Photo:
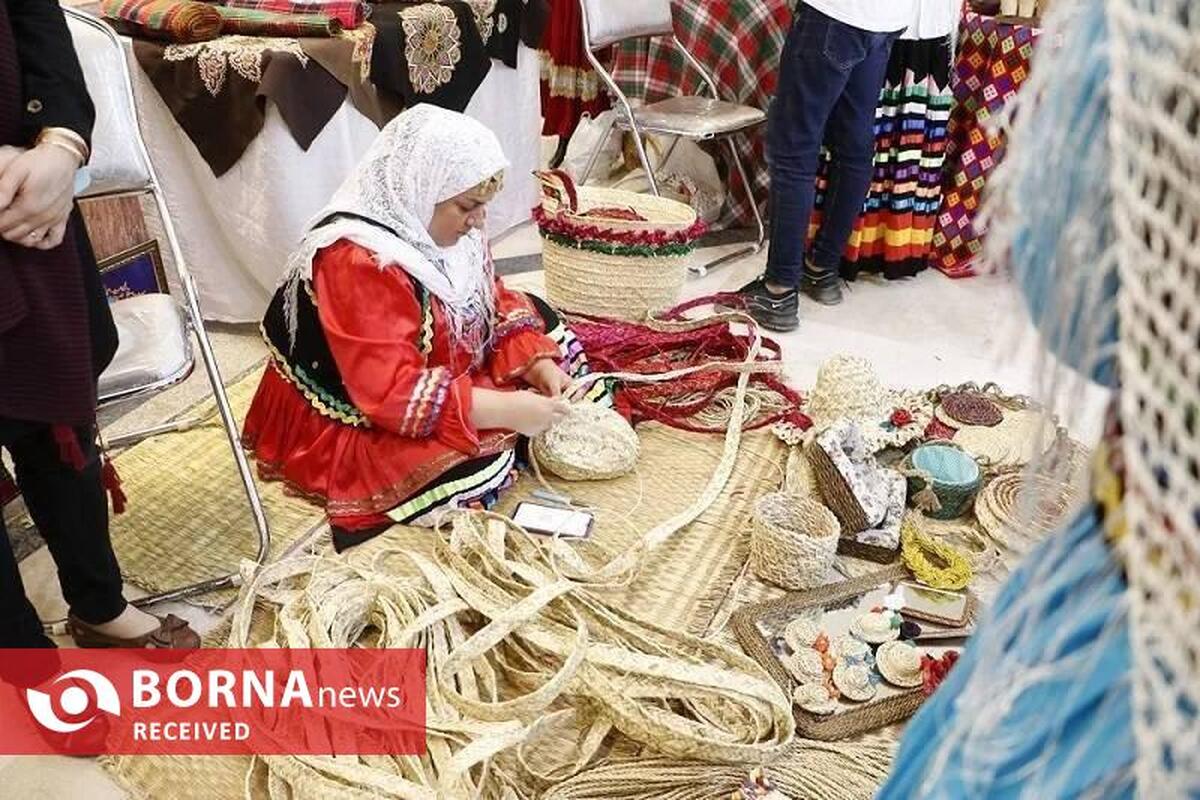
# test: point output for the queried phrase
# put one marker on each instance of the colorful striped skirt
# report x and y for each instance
(894, 234)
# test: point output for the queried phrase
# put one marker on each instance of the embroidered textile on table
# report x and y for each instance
(992, 63)
(440, 52)
(894, 234)
(740, 45)
(217, 90)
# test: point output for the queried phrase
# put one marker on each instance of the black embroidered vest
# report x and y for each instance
(307, 363)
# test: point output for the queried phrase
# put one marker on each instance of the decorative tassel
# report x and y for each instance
(927, 500)
(68, 446)
(112, 484)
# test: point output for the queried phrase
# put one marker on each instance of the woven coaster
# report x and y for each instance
(970, 408)
(1020, 437)
(1025, 506)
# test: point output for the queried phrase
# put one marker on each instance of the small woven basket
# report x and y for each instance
(793, 542)
(950, 472)
(613, 253)
(835, 491)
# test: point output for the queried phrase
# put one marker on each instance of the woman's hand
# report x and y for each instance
(37, 193)
(547, 377)
(524, 412)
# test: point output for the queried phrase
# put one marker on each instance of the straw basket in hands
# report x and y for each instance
(794, 541)
(613, 253)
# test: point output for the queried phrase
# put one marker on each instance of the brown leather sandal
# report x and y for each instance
(172, 633)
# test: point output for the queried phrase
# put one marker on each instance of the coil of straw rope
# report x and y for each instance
(806, 770)
(548, 636)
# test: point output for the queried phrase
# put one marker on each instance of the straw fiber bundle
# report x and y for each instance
(517, 641)
(806, 770)
(548, 649)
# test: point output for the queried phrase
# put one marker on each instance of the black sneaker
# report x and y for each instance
(822, 285)
(775, 312)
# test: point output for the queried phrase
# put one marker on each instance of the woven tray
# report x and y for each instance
(747, 623)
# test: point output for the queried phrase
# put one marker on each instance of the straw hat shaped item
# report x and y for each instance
(814, 698)
(876, 627)
(854, 682)
(900, 664)
(848, 388)
(801, 633)
(846, 646)
(806, 666)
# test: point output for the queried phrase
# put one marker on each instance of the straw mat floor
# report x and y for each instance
(187, 519)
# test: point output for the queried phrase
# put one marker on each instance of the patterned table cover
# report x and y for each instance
(740, 42)
(435, 51)
(992, 64)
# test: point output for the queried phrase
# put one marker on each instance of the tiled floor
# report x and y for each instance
(919, 333)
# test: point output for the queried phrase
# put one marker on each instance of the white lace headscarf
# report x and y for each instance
(425, 156)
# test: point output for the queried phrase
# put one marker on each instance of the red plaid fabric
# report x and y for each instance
(252, 22)
(350, 13)
(740, 43)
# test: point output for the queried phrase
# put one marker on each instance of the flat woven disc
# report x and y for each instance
(970, 408)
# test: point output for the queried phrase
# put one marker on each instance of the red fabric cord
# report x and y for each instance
(618, 346)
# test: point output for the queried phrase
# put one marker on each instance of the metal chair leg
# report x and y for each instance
(132, 438)
(599, 148)
(225, 411)
(702, 269)
(192, 309)
(640, 144)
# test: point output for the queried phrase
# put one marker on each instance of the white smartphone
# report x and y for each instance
(567, 523)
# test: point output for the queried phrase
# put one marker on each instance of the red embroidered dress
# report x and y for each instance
(369, 409)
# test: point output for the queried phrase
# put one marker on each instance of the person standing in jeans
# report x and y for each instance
(831, 72)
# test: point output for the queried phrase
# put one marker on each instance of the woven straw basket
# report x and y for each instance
(794, 541)
(954, 475)
(612, 267)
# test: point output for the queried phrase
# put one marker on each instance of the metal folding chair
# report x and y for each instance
(155, 350)
(609, 22)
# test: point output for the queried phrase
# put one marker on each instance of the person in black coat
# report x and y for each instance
(56, 336)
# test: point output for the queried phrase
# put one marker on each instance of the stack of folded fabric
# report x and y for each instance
(181, 21)
(188, 21)
(350, 14)
(256, 22)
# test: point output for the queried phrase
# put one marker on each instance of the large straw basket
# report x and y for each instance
(613, 253)
(794, 541)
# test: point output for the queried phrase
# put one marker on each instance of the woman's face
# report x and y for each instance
(454, 219)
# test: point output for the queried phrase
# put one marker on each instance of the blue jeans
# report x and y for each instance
(830, 76)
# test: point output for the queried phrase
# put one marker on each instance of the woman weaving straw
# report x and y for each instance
(401, 366)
